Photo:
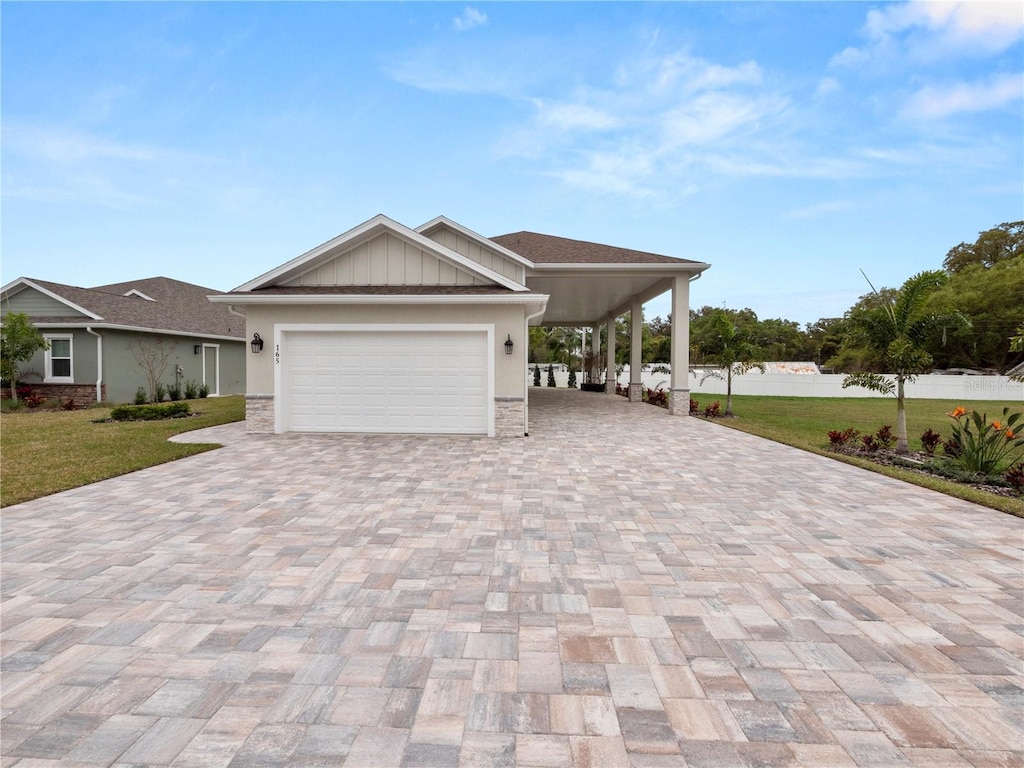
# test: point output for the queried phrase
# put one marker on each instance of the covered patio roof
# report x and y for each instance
(588, 282)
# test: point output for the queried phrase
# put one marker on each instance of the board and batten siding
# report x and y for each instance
(478, 253)
(31, 302)
(386, 260)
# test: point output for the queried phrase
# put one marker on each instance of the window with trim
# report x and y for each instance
(58, 359)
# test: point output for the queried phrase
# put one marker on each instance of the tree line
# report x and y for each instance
(981, 282)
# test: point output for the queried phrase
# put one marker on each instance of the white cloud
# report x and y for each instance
(930, 31)
(935, 102)
(470, 18)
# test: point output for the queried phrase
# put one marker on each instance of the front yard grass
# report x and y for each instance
(804, 422)
(46, 452)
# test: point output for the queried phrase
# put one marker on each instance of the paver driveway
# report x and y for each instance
(621, 588)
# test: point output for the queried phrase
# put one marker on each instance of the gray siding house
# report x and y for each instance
(97, 335)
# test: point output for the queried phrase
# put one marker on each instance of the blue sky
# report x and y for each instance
(790, 145)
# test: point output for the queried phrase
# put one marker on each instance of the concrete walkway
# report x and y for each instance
(622, 588)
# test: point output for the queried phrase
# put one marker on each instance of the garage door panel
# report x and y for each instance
(383, 381)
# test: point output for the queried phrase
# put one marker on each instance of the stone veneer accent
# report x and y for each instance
(636, 392)
(509, 417)
(259, 414)
(80, 393)
(679, 402)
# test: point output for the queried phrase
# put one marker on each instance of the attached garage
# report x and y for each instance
(423, 379)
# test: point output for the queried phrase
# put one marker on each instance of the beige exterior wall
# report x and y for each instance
(386, 260)
(479, 253)
(509, 381)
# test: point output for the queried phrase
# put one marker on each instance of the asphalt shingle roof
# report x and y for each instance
(549, 249)
(176, 306)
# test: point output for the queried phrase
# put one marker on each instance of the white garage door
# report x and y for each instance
(384, 381)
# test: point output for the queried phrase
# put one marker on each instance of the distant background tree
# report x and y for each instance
(896, 329)
(732, 351)
(993, 246)
(19, 341)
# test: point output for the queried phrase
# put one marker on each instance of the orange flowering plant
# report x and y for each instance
(986, 446)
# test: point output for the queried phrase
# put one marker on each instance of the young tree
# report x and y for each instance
(897, 330)
(152, 356)
(729, 348)
(19, 340)
(536, 375)
(551, 376)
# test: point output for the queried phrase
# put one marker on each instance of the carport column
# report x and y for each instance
(679, 396)
(595, 355)
(610, 379)
(636, 350)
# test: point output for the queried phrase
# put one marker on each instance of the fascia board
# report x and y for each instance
(471, 235)
(139, 329)
(361, 298)
(572, 267)
(26, 283)
(371, 228)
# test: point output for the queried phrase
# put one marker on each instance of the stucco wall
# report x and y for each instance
(508, 369)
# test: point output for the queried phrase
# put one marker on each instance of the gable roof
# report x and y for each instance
(157, 304)
(549, 249)
(370, 229)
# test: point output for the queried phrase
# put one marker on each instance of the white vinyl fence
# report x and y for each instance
(929, 387)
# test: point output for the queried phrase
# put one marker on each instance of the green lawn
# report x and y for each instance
(46, 452)
(804, 422)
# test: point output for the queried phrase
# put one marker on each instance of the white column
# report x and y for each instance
(679, 397)
(595, 354)
(610, 378)
(636, 323)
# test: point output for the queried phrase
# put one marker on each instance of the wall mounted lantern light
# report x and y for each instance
(197, 349)
(256, 343)
(508, 345)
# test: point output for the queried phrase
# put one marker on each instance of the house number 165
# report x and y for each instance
(277, 354)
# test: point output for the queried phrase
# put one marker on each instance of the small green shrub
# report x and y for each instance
(141, 398)
(150, 412)
(161, 393)
(174, 392)
(551, 376)
(191, 390)
(572, 378)
(204, 390)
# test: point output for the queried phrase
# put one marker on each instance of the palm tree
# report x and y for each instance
(896, 329)
(733, 352)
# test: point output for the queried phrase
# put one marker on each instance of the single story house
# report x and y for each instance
(100, 338)
(391, 329)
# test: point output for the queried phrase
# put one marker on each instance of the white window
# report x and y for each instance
(58, 360)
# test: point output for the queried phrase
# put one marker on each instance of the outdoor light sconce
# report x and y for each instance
(508, 345)
(197, 349)
(256, 344)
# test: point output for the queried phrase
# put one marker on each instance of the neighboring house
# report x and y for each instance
(97, 334)
(391, 329)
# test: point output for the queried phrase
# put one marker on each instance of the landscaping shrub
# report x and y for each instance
(551, 376)
(657, 397)
(69, 404)
(870, 443)
(713, 411)
(536, 375)
(839, 439)
(174, 392)
(34, 401)
(1014, 476)
(161, 393)
(191, 390)
(986, 446)
(204, 390)
(141, 398)
(694, 406)
(930, 441)
(885, 437)
(149, 412)
(572, 378)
